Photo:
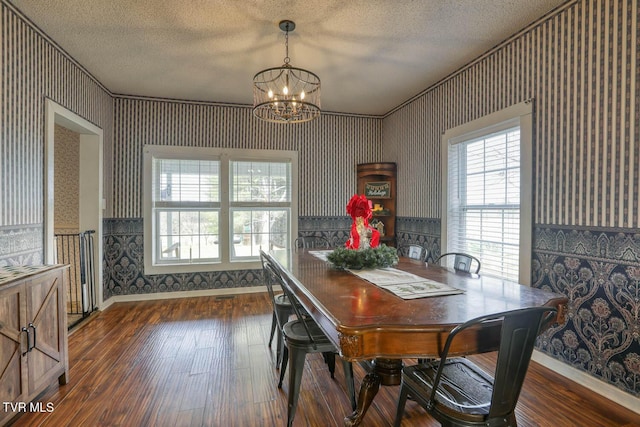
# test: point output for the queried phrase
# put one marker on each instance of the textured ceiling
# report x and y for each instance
(371, 55)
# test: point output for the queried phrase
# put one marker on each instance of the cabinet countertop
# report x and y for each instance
(12, 273)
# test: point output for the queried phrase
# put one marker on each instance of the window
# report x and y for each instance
(488, 198)
(212, 209)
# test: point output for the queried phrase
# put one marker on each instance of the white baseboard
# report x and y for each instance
(182, 294)
(605, 390)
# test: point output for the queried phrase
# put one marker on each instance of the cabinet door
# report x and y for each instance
(46, 312)
(13, 342)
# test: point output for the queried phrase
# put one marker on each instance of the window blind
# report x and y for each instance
(484, 200)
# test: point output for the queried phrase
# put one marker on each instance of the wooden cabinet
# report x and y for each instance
(377, 181)
(33, 332)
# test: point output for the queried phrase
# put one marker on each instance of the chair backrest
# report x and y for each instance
(413, 251)
(311, 242)
(273, 270)
(518, 332)
(461, 261)
(269, 276)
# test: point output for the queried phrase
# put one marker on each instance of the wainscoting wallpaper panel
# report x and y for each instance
(33, 68)
(599, 271)
(123, 269)
(580, 65)
(423, 232)
(124, 265)
(335, 229)
(329, 148)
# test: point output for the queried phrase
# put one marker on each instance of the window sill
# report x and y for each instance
(201, 267)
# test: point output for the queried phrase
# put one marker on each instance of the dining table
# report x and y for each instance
(380, 323)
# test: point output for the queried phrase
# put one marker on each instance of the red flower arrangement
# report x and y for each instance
(362, 235)
(359, 206)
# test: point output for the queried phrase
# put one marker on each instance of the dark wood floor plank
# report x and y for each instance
(205, 362)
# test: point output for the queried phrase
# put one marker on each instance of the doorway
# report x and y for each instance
(86, 166)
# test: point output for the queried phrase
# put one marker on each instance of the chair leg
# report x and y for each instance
(348, 376)
(401, 403)
(283, 368)
(273, 328)
(297, 358)
(282, 316)
(330, 359)
(279, 349)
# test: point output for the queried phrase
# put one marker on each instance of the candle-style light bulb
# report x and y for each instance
(301, 95)
(270, 93)
(285, 90)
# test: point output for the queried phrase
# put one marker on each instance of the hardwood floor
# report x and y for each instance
(205, 362)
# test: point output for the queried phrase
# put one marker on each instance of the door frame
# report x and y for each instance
(92, 202)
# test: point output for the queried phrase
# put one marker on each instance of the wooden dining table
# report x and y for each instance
(371, 325)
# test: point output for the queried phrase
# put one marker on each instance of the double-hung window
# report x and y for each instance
(212, 209)
(487, 206)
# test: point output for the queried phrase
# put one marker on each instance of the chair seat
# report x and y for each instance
(296, 334)
(282, 299)
(462, 381)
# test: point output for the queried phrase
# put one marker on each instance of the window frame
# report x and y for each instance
(225, 156)
(520, 114)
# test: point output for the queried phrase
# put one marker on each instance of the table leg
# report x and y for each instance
(385, 372)
(368, 389)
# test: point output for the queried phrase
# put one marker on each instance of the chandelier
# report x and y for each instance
(286, 94)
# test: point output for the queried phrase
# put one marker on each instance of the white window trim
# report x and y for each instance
(521, 114)
(225, 155)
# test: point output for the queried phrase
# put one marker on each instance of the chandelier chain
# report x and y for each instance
(286, 46)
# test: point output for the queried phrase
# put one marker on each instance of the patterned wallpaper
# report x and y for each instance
(423, 232)
(66, 180)
(34, 68)
(329, 147)
(599, 271)
(580, 67)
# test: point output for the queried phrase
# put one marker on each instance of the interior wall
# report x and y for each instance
(36, 69)
(580, 66)
(329, 147)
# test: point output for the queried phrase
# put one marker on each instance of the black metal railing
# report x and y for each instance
(77, 250)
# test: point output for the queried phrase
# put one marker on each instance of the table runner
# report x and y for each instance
(405, 285)
(401, 283)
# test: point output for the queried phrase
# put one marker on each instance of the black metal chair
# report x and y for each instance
(282, 311)
(311, 242)
(456, 392)
(413, 251)
(461, 261)
(303, 336)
